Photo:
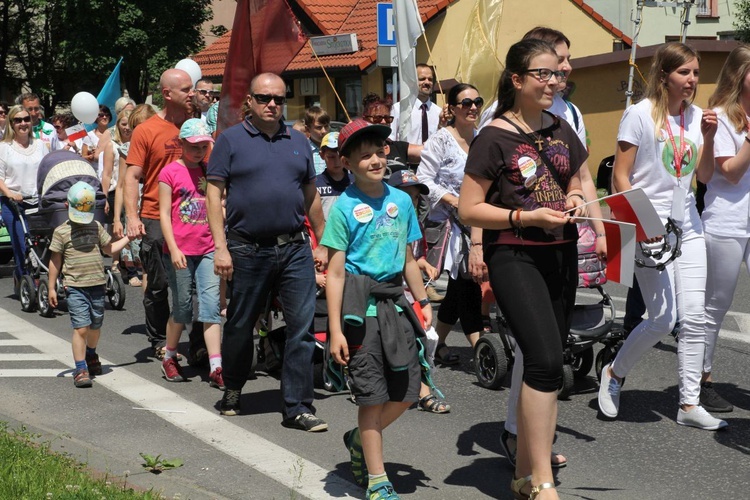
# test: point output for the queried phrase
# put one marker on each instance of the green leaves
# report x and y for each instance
(156, 465)
(60, 48)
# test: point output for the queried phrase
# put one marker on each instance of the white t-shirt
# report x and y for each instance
(653, 170)
(727, 211)
(19, 166)
(559, 108)
(415, 134)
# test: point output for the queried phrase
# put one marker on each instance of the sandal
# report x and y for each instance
(516, 485)
(538, 489)
(450, 358)
(508, 443)
(359, 466)
(432, 404)
(135, 281)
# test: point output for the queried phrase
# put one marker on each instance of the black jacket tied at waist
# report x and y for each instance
(397, 344)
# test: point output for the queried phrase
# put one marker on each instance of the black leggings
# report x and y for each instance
(535, 287)
(463, 300)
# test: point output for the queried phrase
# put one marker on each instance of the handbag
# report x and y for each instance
(464, 249)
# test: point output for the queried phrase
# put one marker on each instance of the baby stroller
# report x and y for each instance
(590, 323)
(272, 335)
(58, 171)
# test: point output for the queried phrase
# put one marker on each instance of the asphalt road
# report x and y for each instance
(642, 455)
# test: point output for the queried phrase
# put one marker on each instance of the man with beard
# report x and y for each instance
(425, 116)
(155, 144)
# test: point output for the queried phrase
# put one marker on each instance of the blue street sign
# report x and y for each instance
(386, 27)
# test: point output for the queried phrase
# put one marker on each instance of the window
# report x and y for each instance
(350, 91)
(707, 8)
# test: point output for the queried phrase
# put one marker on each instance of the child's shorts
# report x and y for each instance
(372, 381)
(86, 306)
(199, 270)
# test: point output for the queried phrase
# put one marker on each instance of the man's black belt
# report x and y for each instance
(269, 241)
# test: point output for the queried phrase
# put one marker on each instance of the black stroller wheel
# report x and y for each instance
(490, 362)
(115, 290)
(605, 357)
(45, 309)
(568, 382)
(27, 293)
(582, 363)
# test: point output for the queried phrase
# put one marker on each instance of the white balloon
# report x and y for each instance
(191, 68)
(84, 107)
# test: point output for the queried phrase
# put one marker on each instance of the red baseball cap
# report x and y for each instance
(357, 127)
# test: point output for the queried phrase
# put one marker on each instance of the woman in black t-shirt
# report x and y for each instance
(522, 176)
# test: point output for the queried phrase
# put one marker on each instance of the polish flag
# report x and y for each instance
(634, 207)
(621, 238)
(76, 132)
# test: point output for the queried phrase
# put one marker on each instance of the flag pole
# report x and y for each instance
(329, 80)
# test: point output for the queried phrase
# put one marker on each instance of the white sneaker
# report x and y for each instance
(609, 394)
(700, 418)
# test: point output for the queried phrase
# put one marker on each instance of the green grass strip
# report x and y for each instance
(30, 470)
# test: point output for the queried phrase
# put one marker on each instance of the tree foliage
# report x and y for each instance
(742, 20)
(63, 47)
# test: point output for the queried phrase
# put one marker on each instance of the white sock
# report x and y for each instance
(215, 362)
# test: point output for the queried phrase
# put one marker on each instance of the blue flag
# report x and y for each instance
(111, 91)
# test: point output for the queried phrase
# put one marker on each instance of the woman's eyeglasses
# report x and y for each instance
(25, 119)
(546, 75)
(466, 102)
(266, 98)
(378, 118)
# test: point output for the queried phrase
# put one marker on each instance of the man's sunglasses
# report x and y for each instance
(204, 92)
(378, 118)
(546, 75)
(25, 119)
(466, 102)
(266, 98)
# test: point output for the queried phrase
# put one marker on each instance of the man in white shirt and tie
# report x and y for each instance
(425, 115)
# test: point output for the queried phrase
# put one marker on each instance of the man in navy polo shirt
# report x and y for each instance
(269, 176)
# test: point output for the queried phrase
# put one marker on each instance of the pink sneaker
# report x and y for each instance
(216, 380)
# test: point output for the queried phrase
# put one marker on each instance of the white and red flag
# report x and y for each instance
(76, 132)
(620, 251)
(634, 207)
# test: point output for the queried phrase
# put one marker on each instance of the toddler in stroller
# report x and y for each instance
(58, 171)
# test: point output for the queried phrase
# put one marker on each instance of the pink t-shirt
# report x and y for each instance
(189, 215)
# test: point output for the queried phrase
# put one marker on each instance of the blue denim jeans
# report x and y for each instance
(257, 270)
(17, 241)
(199, 270)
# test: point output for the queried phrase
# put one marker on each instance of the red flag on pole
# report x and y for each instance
(265, 38)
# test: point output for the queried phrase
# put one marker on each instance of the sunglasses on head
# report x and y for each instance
(266, 98)
(25, 119)
(466, 102)
(378, 118)
(546, 75)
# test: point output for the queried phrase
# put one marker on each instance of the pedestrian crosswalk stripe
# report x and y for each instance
(11, 342)
(24, 356)
(34, 372)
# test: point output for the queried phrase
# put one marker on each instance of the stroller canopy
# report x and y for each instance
(58, 171)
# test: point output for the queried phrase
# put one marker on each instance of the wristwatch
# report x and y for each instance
(424, 302)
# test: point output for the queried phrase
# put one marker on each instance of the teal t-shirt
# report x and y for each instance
(373, 232)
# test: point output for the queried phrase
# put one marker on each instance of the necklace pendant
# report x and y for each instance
(539, 144)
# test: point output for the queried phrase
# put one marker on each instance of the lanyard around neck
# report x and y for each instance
(678, 157)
